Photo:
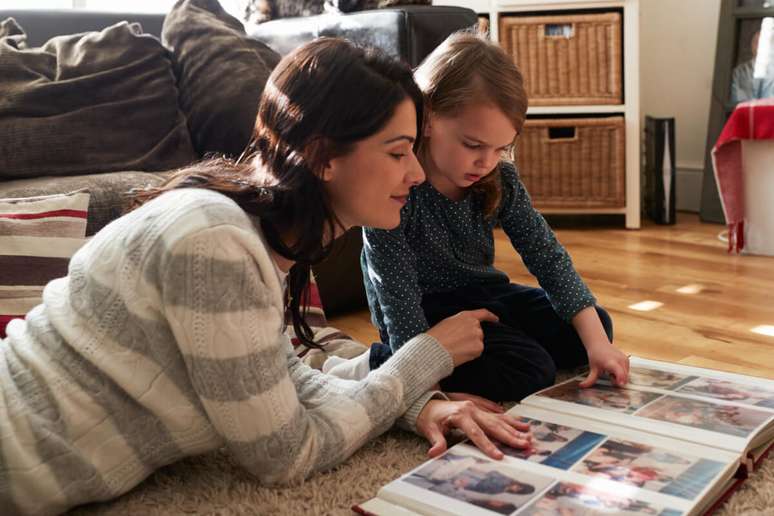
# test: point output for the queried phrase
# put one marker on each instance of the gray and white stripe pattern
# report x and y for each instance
(165, 340)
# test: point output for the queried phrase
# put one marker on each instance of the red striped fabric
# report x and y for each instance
(315, 316)
(81, 214)
(39, 234)
(333, 341)
(4, 320)
(314, 296)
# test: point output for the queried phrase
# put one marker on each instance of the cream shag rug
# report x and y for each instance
(214, 484)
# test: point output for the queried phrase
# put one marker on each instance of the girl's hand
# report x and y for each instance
(606, 358)
(461, 334)
(603, 356)
(438, 417)
(482, 403)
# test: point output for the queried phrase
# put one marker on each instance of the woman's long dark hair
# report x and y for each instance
(318, 103)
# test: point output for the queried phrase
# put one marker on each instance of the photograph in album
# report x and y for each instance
(575, 499)
(724, 419)
(645, 377)
(478, 482)
(745, 394)
(601, 396)
(651, 468)
(554, 445)
(730, 391)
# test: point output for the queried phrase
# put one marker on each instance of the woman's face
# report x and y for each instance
(464, 148)
(370, 185)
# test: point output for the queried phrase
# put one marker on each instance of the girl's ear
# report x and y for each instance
(428, 126)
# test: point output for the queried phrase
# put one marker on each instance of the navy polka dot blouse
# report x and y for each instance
(442, 245)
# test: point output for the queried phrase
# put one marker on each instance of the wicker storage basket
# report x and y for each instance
(573, 163)
(567, 59)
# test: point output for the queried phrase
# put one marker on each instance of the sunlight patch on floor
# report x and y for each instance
(691, 289)
(646, 306)
(764, 329)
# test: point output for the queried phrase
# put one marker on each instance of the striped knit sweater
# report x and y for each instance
(166, 340)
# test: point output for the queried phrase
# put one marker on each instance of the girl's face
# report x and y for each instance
(464, 148)
(370, 185)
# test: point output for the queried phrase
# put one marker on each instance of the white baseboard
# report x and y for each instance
(688, 188)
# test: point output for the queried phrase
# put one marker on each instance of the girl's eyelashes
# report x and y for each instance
(469, 145)
(398, 155)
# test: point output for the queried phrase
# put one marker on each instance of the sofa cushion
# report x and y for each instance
(110, 192)
(221, 74)
(408, 33)
(91, 102)
(38, 235)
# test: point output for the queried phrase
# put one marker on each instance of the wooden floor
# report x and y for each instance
(711, 302)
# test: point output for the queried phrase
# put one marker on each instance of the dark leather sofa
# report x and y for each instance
(409, 33)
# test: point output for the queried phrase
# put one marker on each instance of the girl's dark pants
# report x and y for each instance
(522, 351)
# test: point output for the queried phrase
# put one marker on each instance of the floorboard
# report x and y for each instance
(710, 302)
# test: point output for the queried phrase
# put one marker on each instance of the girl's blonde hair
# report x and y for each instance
(468, 68)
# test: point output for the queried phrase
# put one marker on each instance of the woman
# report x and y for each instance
(166, 338)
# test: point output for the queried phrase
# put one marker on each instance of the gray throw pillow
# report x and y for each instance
(92, 102)
(221, 73)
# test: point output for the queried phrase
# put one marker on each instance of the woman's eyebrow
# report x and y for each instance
(406, 137)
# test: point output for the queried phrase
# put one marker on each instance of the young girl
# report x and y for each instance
(440, 260)
(166, 339)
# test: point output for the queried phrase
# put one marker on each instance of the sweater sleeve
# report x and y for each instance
(392, 287)
(280, 419)
(541, 252)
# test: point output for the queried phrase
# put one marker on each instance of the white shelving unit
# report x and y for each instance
(630, 109)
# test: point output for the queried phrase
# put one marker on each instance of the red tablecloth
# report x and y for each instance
(753, 120)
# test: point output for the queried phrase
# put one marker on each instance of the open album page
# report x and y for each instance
(573, 467)
(720, 410)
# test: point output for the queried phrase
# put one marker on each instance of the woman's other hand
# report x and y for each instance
(438, 417)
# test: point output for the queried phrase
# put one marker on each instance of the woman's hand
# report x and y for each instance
(461, 334)
(482, 403)
(439, 417)
(606, 358)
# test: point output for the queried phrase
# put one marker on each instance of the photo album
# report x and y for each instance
(676, 440)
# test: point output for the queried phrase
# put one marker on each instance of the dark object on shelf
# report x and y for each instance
(660, 169)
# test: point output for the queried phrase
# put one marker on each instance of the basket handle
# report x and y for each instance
(563, 134)
(559, 30)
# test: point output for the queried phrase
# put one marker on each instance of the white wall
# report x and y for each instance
(235, 7)
(677, 59)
